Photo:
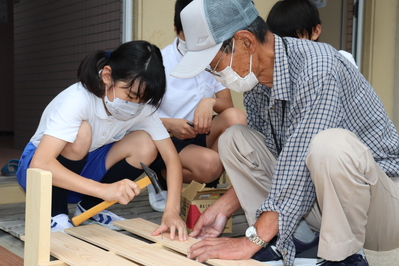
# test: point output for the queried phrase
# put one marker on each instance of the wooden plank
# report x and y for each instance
(8, 258)
(53, 263)
(37, 217)
(11, 193)
(144, 229)
(129, 247)
(76, 252)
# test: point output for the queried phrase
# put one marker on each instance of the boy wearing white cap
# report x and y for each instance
(318, 146)
(195, 111)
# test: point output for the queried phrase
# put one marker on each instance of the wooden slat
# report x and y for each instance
(144, 229)
(53, 263)
(11, 193)
(73, 251)
(129, 247)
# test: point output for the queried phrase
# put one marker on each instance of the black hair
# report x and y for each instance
(258, 27)
(293, 18)
(132, 61)
(179, 6)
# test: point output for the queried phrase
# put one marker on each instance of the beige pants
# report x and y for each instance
(359, 203)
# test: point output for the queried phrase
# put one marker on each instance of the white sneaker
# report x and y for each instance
(157, 201)
(60, 222)
(104, 218)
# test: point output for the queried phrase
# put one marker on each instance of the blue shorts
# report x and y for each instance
(94, 168)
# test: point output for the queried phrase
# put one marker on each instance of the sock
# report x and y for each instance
(303, 232)
(117, 172)
(361, 252)
(213, 184)
(59, 202)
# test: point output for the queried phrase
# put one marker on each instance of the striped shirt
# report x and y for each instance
(314, 88)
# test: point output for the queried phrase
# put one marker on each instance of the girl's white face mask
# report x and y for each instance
(122, 110)
(230, 79)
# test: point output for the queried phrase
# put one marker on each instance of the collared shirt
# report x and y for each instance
(321, 90)
(64, 115)
(183, 95)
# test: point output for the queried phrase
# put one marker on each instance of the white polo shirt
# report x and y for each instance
(348, 56)
(65, 113)
(183, 95)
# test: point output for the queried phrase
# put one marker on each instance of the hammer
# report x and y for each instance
(145, 181)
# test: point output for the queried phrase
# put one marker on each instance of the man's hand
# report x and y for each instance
(223, 248)
(210, 224)
(213, 220)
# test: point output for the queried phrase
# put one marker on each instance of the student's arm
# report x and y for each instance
(171, 217)
(46, 158)
(223, 101)
(207, 106)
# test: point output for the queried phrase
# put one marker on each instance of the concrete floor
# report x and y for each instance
(385, 258)
(12, 243)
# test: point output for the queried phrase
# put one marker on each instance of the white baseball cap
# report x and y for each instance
(206, 25)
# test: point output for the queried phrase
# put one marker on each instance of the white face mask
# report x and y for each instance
(182, 46)
(230, 79)
(122, 110)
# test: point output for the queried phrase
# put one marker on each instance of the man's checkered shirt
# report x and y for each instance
(321, 90)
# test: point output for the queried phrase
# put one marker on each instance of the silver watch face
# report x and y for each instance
(250, 232)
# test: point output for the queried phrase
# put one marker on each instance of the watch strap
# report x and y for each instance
(257, 240)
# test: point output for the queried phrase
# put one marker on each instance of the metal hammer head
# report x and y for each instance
(153, 177)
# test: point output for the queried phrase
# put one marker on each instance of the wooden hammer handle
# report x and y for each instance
(77, 220)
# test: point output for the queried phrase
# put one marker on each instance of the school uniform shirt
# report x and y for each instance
(64, 114)
(314, 88)
(183, 95)
(348, 56)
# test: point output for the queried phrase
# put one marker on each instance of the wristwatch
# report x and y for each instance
(253, 237)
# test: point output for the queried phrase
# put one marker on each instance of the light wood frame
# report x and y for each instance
(116, 248)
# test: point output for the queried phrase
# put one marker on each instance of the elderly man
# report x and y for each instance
(319, 145)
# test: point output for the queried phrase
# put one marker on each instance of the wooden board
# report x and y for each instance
(53, 263)
(10, 190)
(144, 229)
(73, 251)
(99, 246)
(11, 193)
(37, 216)
(129, 247)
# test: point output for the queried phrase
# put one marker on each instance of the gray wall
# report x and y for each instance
(6, 67)
(50, 40)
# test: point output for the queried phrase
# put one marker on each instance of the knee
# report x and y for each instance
(234, 116)
(212, 166)
(145, 145)
(329, 147)
(230, 134)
